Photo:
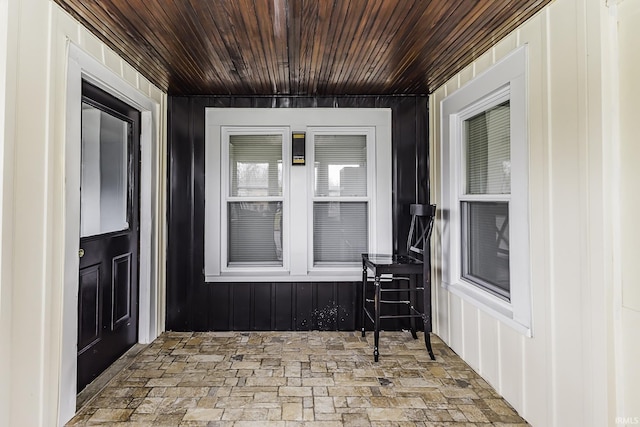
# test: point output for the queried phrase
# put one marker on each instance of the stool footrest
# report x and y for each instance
(401, 290)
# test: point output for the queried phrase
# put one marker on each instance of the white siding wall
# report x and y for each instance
(33, 180)
(5, 276)
(563, 375)
(627, 268)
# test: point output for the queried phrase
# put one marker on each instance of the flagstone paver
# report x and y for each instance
(294, 379)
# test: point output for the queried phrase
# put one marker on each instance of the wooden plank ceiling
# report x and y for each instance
(300, 47)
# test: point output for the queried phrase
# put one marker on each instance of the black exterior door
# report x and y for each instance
(109, 218)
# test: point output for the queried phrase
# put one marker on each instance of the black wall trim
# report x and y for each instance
(192, 304)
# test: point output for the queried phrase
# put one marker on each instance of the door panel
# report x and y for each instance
(121, 290)
(109, 218)
(90, 310)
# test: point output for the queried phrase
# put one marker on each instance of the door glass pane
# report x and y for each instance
(488, 157)
(340, 232)
(486, 245)
(255, 165)
(104, 179)
(255, 233)
(340, 165)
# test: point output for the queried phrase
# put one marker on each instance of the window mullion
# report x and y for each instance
(484, 197)
(254, 199)
(341, 199)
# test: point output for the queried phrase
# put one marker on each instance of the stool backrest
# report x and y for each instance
(422, 217)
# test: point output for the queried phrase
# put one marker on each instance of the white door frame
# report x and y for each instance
(81, 65)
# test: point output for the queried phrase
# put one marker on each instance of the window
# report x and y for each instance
(484, 199)
(105, 173)
(340, 197)
(485, 192)
(254, 197)
(269, 220)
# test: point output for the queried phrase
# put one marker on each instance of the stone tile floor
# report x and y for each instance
(295, 379)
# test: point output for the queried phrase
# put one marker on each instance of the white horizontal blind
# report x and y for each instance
(341, 232)
(341, 203)
(488, 151)
(255, 165)
(254, 202)
(340, 165)
(254, 233)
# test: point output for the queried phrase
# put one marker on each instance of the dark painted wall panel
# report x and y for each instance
(325, 311)
(199, 311)
(348, 302)
(193, 304)
(179, 281)
(283, 306)
(240, 306)
(261, 299)
(219, 306)
(303, 306)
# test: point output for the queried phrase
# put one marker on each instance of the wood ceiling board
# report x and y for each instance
(300, 47)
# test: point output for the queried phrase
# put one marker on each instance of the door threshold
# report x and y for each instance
(101, 381)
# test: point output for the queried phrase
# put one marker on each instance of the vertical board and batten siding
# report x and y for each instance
(5, 214)
(628, 230)
(559, 376)
(193, 304)
(33, 205)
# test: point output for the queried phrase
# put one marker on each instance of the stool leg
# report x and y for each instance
(426, 317)
(376, 323)
(412, 300)
(427, 341)
(364, 297)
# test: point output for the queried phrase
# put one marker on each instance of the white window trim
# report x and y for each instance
(506, 76)
(370, 198)
(296, 119)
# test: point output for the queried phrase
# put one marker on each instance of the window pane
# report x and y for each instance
(486, 243)
(255, 233)
(340, 165)
(255, 165)
(488, 157)
(104, 178)
(340, 232)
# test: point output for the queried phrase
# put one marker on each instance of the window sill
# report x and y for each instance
(492, 305)
(325, 276)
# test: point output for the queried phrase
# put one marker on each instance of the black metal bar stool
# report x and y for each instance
(388, 272)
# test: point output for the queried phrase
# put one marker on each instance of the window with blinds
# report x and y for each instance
(254, 200)
(485, 199)
(270, 219)
(340, 199)
(484, 148)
